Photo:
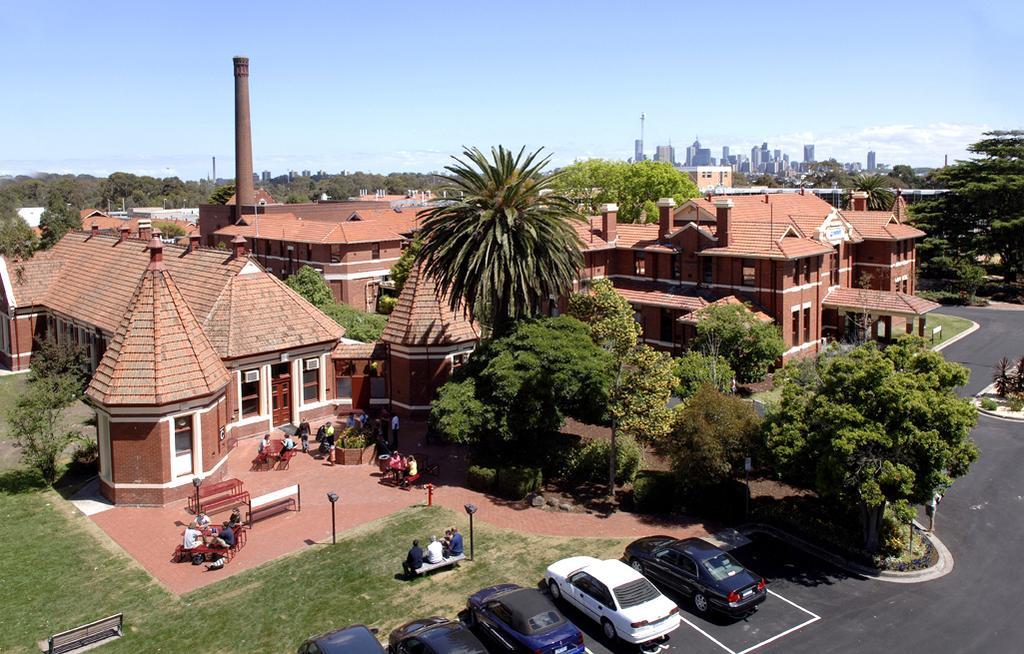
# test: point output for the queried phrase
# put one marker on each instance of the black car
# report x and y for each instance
(434, 636)
(697, 569)
(356, 639)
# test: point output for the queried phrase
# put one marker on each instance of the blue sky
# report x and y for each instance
(379, 86)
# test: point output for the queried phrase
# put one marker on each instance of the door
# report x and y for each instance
(584, 595)
(280, 394)
(182, 464)
(688, 574)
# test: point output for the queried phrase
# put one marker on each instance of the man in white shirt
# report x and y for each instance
(394, 432)
(435, 552)
(193, 538)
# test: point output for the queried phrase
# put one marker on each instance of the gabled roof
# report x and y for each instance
(371, 227)
(728, 300)
(659, 294)
(345, 350)
(422, 317)
(257, 313)
(881, 226)
(776, 240)
(862, 299)
(158, 354)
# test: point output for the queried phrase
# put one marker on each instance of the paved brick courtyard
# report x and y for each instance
(151, 534)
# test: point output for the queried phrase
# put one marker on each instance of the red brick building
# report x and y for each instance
(191, 348)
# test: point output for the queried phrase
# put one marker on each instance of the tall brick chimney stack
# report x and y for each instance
(665, 206)
(860, 201)
(238, 246)
(245, 194)
(609, 222)
(723, 215)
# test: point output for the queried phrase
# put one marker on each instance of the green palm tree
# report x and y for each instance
(507, 243)
(880, 198)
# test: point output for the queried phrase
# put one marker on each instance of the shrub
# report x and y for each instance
(386, 304)
(694, 369)
(480, 478)
(989, 404)
(1016, 404)
(654, 492)
(515, 482)
(588, 462)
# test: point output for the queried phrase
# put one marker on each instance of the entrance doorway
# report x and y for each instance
(280, 393)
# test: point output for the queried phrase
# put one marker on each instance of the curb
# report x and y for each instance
(964, 334)
(988, 390)
(942, 568)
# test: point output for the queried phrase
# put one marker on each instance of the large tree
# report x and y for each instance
(983, 214)
(592, 182)
(881, 429)
(749, 344)
(634, 187)
(17, 240)
(506, 243)
(642, 378)
(57, 220)
(516, 390)
(359, 325)
(877, 187)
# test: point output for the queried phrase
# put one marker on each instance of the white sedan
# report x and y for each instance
(616, 596)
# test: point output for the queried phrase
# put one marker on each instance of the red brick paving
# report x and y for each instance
(151, 534)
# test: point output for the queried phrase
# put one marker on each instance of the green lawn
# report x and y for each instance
(951, 326)
(58, 574)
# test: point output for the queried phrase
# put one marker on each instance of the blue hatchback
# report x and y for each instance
(523, 619)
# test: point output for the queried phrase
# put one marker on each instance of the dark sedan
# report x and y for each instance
(699, 570)
(523, 620)
(356, 639)
(434, 636)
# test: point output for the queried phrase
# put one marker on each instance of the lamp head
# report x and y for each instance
(470, 508)
(333, 497)
(196, 481)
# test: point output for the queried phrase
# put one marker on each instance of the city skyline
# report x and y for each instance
(320, 102)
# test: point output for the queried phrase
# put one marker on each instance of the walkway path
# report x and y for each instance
(150, 534)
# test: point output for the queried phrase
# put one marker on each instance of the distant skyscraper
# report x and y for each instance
(777, 155)
(871, 160)
(638, 150)
(305, 173)
(265, 176)
(725, 153)
(702, 157)
(755, 158)
(808, 153)
(665, 153)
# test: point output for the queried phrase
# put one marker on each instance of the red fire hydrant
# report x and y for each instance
(430, 494)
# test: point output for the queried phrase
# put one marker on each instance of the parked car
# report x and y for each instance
(614, 595)
(434, 636)
(523, 619)
(357, 639)
(700, 570)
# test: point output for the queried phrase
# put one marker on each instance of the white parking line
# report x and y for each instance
(814, 618)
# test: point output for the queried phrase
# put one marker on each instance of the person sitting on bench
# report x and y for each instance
(435, 551)
(192, 538)
(225, 537)
(395, 465)
(264, 444)
(287, 446)
(413, 560)
(236, 517)
(411, 470)
(455, 547)
(202, 521)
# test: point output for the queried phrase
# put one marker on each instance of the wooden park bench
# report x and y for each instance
(86, 636)
(448, 562)
(211, 492)
(276, 502)
(227, 501)
(285, 458)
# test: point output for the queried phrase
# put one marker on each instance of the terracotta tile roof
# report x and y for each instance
(359, 351)
(779, 240)
(880, 226)
(93, 277)
(158, 354)
(257, 313)
(671, 296)
(899, 207)
(90, 213)
(779, 206)
(31, 279)
(860, 299)
(641, 236)
(289, 227)
(422, 318)
(591, 233)
(692, 318)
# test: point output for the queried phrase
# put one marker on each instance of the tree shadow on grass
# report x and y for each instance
(20, 480)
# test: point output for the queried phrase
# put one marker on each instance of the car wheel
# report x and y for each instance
(608, 629)
(556, 592)
(700, 602)
(637, 565)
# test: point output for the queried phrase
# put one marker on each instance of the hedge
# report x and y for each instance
(481, 479)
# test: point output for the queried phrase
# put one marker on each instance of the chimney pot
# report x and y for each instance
(238, 246)
(610, 222)
(145, 229)
(193, 241)
(125, 231)
(723, 215)
(665, 206)
(156, 251)
(95, 229)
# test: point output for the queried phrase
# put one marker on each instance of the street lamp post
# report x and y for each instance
(470, 509)
(333, 497)
(197, 482)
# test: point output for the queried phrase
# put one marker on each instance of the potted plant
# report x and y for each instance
(355, 447)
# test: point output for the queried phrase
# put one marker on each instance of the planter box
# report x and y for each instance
(354, 456)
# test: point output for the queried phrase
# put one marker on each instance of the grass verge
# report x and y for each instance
(951, 326)
(59, 574)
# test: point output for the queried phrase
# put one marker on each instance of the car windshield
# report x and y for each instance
(635, 593)
(722, 566)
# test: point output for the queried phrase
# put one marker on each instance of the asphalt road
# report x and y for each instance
(976, 608)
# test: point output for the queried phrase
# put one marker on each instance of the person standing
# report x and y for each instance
(930, 508)
(329, 439)
(304, 435)
(394, 432)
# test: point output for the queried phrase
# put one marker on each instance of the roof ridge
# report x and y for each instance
(184, 312)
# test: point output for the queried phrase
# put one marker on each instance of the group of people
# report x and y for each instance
(403, 469)
(436, 552)
(199, 532)
(325, 436)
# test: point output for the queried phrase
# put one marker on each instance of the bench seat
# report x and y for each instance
(443, 563)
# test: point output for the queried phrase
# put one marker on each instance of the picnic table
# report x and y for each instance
(272, 454)
(219, 495)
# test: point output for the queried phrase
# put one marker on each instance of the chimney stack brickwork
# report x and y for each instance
(723, 213)
(609, 222)
(665, 206)
(245, 193)
(860, 201)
